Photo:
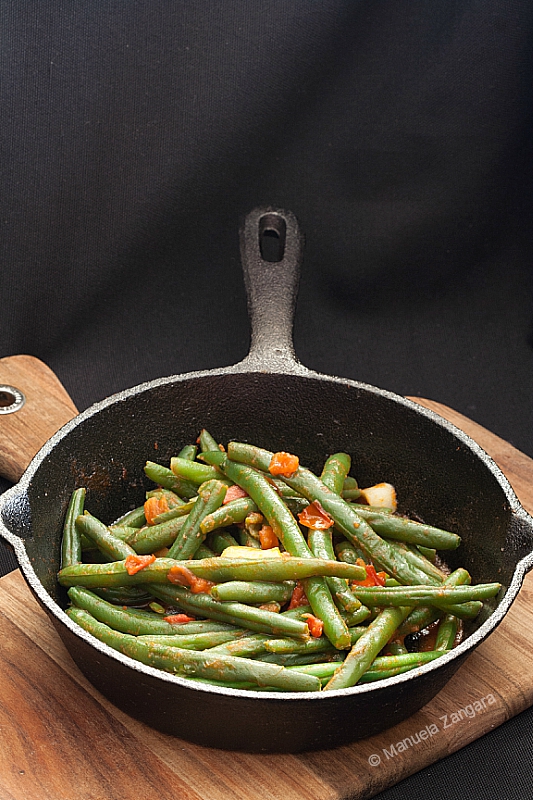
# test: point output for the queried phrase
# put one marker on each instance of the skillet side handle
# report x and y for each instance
(45, 406)
(271, 246)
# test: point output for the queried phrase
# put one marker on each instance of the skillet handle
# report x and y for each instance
(33, 406)
(271, 252)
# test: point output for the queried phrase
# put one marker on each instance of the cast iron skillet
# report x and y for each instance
(270, 399)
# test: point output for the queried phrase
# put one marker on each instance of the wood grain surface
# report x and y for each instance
(48, 407)
(60, 739)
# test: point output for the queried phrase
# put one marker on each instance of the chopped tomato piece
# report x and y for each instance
(314, 516)
(135, 564)
(298, 597)
(155, 506)
(284, 464)
(267, 537)
(373, 578)
(201, 586)
(181, 574)
(233, 493)
(185, 577)
(178, 619)
(316, 626)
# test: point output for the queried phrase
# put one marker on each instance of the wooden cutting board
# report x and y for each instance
(60, 739)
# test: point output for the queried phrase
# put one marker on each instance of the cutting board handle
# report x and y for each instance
(33, 406)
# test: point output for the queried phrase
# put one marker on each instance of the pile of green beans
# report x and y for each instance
(332, 606)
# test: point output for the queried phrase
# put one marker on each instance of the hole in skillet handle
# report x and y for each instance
(272, 233)
(11, 399)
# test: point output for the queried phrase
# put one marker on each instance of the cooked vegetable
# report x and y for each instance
(71, 541)
(255, 573)
(202, 664)
(112, 547)
(210, 497)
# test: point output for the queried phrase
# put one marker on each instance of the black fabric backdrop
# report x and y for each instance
(135, 135)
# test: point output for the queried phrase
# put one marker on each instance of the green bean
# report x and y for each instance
(349, 483)
(173, 500)
(333, 475)
(124, 532)
(301, 659)
(194, 641)
(396, 648)
(217, 569)
(321, 545)
(229, 514)
(190, 662)
(188, 452)
(382, 667)
(352, 618)
(111, 546)
(246, 647)
(276, 568)
(154, 537)
(350, 489)
(113, 575)
(219, 540)
(392, 526)
(194, 471)
(335, 471)
(318, 645)
(118, 618)
(435, 575)
(354, 527)
(174, 512)
(210, 496)
(269, 503)
(246, 539)
(71, 541)
(238, 614)
(440, 596)
(284, 491)
(207, 442)
(423, 616)
(388, 663)
(140, 622)
(253, 591)
(381, 673)
(367, 648)
(203, 626)
(204, 552)
(346, 551)
(321, 601)
(322, 669)
(166, 478)
(447, 632)
(124, 595)
(428, 552)
(287, 530)
(132, 519)
(350, 494)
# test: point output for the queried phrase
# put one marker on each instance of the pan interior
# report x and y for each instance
(438, 477)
